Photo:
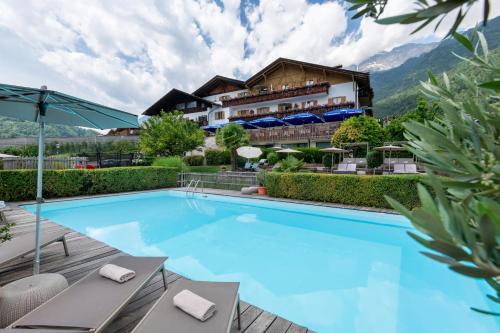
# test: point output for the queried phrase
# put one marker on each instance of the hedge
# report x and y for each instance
(356, 190)
(310, 154)
(194, 160)
(217, 157)
(19, 185)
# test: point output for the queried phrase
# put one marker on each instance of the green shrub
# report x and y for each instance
(310, 154)
(218, 156)
(374, 159)
(265, 152)
(354, 190)
(327, 160)
(19, 185)
(290, 164)
(195, 160)
(174, 162)
(272, 158)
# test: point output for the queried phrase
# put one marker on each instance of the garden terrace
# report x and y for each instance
(317, 110)
(306, 132)
(320, 88)
(87, 254)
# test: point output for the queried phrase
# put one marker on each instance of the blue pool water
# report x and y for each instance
(332, 270)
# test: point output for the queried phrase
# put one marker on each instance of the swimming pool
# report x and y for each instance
(331, 270)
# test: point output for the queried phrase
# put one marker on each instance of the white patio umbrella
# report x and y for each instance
(249, 152)
(289, 151)
(47, 106)
(334, 150)
(276, 148)
(390, 148)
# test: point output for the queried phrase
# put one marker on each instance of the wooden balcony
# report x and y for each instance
(194, 109)
(320, 88)
(302, 133)
(317, 110)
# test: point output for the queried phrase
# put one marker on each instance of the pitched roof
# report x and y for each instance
(359, 76)
(213, 82)
(171, 99)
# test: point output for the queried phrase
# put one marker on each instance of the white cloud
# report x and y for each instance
(127, 54)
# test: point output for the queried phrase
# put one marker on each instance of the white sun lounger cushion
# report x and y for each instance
(194, 305)
(116, 273)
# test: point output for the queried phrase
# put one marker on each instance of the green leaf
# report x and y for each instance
(473, 271)
(462, 39)
(493, 85)
(394, 19)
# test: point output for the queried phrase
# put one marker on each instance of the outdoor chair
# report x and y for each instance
(22, 245)
(93, 302)
(248, 166)
(346, 168)
(165, 317)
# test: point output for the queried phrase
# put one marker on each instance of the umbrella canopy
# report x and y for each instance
(289, 151)
(47, 106)
(390, 148)
(249, 152)
(268, 122)
(303, 118)
(341, 114)
(211, 128)
(276, 148)
(334, 150)
(245, 124)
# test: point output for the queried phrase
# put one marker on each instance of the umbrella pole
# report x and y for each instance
(39, 199)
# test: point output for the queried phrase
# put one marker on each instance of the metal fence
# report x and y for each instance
(50, 163)
(222, 180)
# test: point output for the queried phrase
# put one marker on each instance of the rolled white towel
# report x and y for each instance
(194, 305)
(116, 273)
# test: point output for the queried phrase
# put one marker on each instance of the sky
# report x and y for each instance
(127, 53)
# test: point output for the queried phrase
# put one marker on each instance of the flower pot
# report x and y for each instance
(261, 190)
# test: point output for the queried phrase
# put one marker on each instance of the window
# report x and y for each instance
(242, 94)
(311, 103)
(309, 83)
(242, 112)
(219, 115)
(284, 107)
(284, 87)
(337, 100)
(224, 98)
(262, 110)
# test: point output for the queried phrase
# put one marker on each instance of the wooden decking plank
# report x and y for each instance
(279, 325)
(247, 318)
(261, 323)
(294, 328)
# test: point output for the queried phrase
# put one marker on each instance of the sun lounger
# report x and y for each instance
(165, 317)
(346, 168)
(411, 168)
(351, 167)
(342, 167)
(92, 303)
(20, 246)
(27, 330)
(399, 168)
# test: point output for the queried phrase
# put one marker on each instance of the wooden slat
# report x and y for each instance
(87, 254)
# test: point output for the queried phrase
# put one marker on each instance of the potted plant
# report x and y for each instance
(261, 190)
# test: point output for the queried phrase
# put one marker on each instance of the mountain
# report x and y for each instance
(395, 57)
(395, 88)
(14, 128)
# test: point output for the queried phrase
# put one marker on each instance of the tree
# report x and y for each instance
(359, 129)
(460, 212)
(395, 129)
(170, 134)
(425, 13)
(232, 137)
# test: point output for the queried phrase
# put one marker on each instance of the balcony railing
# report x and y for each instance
(306, 132)
(279, 94)
(194, 109)
(317, 110)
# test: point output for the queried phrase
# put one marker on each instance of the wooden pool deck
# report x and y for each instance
(87, 254)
